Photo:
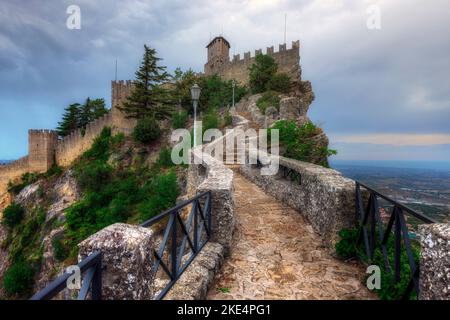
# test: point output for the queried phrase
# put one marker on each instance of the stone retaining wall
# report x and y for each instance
(435, 261)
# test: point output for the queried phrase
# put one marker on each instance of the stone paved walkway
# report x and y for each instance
(276, 255)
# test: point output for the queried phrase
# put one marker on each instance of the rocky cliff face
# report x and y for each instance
(293, 106)
(44, 203)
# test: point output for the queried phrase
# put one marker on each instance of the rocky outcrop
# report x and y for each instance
(64, 194)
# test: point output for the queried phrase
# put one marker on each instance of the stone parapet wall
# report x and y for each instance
(73, 145)
(212, 175)
(323, 196)
(12, 171)
(288, 61)
(434, 280)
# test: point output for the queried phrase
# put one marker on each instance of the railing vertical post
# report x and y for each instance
(196, 204)
(398, 244)
(372, 226)
(174, 246)
(357, 196)
(208, 212)
(97, 280)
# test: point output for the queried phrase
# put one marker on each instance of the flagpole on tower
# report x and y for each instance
(116, 71)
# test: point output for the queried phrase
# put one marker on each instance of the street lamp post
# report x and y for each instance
(195, 94)
(234, 85)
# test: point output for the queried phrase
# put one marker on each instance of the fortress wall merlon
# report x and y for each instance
(75, 144)
(288, 61)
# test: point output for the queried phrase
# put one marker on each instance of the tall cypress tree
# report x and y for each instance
(149, 98)
(70, 120)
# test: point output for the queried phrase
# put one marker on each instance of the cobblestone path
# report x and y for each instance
(276, 255)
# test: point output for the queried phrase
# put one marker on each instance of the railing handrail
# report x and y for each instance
(60, 283)
(171, 210)
(414, 213)
(199, 222)
(370, 223)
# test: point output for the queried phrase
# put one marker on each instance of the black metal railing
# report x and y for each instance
(90, 267)
(374, 236)
(182, 239)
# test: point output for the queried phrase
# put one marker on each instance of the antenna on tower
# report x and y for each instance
(116, 71)
(285, 24)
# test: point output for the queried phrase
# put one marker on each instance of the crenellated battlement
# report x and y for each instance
(77, 142)
(282, 48)
(288, 61)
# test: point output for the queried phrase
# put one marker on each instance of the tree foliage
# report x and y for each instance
(77, 116)
(263, 76)
(149, 97)
(146, 130)
(216, 92)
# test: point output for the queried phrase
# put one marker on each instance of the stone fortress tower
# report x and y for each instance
(219, 62)
(218, 55)
(41, 149)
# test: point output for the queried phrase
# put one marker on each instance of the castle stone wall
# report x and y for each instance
(12, 171)
(75, 144)
(288, 61)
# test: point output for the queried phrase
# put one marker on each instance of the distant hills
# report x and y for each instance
(423, 186)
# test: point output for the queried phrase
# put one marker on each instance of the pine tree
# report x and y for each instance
(85, 113)
(91, 110)
(70, 120)
(149, 98)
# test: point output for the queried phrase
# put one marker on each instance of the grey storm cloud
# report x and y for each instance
(390, 80)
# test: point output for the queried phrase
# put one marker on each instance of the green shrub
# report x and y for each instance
(210, 121)
(13, 215)
(165, 158)
(228, 120)
(25, 180)
(268, 99)
(164, 192)
(54, 171)
(61, 252)
(346, 247)
(179, 120)
(299, 144)
(41, 215)
(18, 279)
(146, 130)
(93, 176)
(100, 149)
(261, 72)
(280, 82)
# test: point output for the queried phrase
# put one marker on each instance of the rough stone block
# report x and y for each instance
(127, 261)
(435, 262)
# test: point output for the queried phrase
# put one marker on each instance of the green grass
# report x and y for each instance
(224, 290)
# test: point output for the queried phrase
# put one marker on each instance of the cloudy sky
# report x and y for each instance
(380, 94)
